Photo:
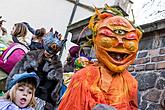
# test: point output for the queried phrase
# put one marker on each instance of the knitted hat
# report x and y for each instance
(19, 77)
(74, 50)
(52, 42)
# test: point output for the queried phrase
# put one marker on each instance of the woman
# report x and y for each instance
(18, 33)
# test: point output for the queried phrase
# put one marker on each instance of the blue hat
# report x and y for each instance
(18, 77)
(52, 42)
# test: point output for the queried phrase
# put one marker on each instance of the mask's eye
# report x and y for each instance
(53, 46)
(120, 32)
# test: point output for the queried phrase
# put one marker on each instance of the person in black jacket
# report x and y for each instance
(47, 65)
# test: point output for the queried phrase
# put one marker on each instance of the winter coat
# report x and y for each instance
(50, 72)
(35, 45)
(8, 105)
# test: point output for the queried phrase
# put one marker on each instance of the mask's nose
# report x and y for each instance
(120, 41)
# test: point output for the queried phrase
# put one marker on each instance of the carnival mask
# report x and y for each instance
(116, 43)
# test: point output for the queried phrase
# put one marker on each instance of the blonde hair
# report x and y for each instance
(20, 30)
(11, 94)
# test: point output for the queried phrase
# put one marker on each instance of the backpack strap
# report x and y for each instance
(10, 50)
(17, 41)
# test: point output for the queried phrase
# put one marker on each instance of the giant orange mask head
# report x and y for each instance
(116, 42)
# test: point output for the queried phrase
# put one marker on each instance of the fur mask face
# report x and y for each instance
(53, 42)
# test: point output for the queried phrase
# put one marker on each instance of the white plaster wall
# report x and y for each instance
(97, 3)
(147, 11)
(82, 13)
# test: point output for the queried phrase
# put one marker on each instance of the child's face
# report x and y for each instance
(23, 96)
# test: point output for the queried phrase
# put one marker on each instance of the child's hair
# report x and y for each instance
(29, 82)
(20, 30)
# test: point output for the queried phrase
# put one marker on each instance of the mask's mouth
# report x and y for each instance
(48, 55)
(118, 56)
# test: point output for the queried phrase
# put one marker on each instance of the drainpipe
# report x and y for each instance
(70, 21)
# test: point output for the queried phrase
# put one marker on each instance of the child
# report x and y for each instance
(20, 92)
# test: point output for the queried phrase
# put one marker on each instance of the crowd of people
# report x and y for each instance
(41, 59)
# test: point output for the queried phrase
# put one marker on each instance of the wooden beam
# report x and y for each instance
(82, 5)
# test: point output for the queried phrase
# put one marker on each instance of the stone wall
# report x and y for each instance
(149, 70)
(149, 67)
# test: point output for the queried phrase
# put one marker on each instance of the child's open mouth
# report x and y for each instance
(23, 100)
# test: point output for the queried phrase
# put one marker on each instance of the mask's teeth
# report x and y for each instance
(118, 57)
(125, 56)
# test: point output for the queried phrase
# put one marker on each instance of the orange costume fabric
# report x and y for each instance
(87, 89)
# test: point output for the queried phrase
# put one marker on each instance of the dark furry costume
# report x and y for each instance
(49, 71)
